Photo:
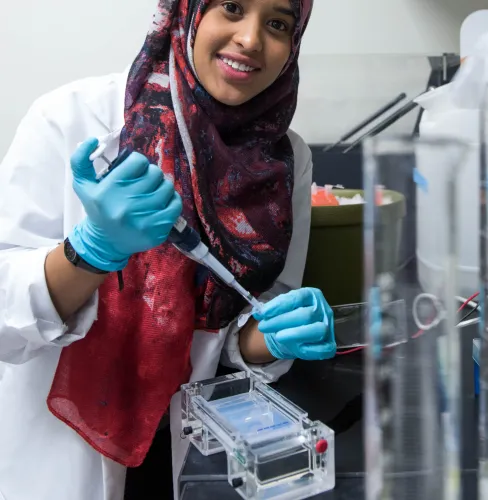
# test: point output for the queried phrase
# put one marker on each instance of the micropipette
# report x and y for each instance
(183, 237)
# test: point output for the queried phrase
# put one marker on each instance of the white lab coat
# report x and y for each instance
(40, 457)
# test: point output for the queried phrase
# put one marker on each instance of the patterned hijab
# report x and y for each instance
(234, 169)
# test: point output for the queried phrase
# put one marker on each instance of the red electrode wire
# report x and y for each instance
(416, 336)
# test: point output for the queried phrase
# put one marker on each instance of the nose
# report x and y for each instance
(249, 34)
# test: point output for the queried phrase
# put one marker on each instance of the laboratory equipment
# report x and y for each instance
(274, 452)
(182, 236)
(110, 165)
(364, 123)
(442, 117)
(476, 367)
(383, 125)
(412, 362)
(472, 29)
(483, 327)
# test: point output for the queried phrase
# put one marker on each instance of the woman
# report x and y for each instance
(207, 102)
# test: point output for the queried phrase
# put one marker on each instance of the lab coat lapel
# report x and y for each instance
(108, 106)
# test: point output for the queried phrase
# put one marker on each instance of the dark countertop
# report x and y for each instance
(334, 395)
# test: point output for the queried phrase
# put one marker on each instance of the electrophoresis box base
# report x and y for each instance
(274, 452)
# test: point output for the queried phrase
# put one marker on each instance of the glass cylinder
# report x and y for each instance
(483, 325)
(412, 367)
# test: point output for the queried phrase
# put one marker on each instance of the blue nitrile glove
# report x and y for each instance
(131, 210)
(298, 325)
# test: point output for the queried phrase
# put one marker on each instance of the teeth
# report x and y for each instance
(238, 66)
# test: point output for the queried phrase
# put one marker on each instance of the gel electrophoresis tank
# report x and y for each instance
(273, 450)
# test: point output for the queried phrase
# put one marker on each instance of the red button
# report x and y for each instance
(321, 446)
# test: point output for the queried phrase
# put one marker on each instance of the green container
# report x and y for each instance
(335, 252)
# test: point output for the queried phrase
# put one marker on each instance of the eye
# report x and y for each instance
(232, 8)
(278, 25)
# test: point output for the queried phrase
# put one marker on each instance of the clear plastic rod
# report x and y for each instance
(483, 331)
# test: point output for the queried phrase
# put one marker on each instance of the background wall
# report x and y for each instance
(387, 26)
(356, 51)
(44, 44)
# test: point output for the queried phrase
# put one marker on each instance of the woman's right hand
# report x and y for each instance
(131, 210)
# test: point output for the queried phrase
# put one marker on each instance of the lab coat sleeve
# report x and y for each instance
(290, 279)
(32, 177)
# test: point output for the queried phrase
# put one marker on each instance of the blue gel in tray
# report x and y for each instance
(250, 414)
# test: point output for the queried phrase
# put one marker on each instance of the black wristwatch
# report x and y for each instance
(76, 260)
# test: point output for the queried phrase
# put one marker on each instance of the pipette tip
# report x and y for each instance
(257, 306)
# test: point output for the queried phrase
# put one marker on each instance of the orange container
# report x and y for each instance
(323, 197)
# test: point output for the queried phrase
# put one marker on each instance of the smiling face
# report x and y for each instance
(241, 47)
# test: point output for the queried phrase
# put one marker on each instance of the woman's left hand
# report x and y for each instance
(298, 325)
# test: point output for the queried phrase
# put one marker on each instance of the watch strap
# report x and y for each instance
(73, 257)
